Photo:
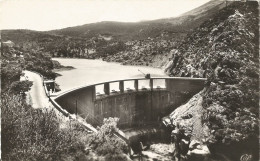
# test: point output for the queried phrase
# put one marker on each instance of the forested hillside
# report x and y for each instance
(225, 50)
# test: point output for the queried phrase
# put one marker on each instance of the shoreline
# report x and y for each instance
(64, 68)
(101, 59)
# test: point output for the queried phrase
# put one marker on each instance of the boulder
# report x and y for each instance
(197, 150)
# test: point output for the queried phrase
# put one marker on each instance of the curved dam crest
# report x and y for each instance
(137, 106)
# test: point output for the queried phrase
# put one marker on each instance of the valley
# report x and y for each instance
(217, 42)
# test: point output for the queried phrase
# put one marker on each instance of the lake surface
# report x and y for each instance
(96, 71)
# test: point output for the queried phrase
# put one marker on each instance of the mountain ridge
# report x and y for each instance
(77, 41)
(182, 23)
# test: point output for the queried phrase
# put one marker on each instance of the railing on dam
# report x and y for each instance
(129, 85)
(134, 101)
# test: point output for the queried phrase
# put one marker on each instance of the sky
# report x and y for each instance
(43, 15)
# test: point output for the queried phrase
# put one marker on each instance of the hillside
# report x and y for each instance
(145, 29)
(225, 50)
(199, 14)
(97, 39)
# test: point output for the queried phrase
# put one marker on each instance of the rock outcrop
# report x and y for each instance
(189, 117)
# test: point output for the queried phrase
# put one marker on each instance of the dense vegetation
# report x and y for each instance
(40, 62)
(35, 134)
(225, 50)
(17, 58)
(106, 143)
(149, 52)
(11, 68)
(27, 133)
(39, 134)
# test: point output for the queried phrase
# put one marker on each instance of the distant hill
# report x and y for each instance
(145, 29)
(125, 31)
(198, 14)
(80, 41)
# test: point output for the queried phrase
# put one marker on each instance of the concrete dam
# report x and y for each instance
(146, 102)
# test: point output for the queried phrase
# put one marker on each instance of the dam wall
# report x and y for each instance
(136, 106)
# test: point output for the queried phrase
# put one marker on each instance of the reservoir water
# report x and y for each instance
(89, 72)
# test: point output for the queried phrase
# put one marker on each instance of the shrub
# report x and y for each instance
(18, 87)
(104, 142)
(35, 134)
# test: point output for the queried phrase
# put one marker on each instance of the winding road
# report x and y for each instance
(36, 96)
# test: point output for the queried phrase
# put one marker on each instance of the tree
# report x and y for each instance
(20, 87)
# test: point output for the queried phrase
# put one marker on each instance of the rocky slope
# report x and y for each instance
(149, 52)
(225, 50)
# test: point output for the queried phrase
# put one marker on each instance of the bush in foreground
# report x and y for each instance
(105, 143)
(35, 134)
